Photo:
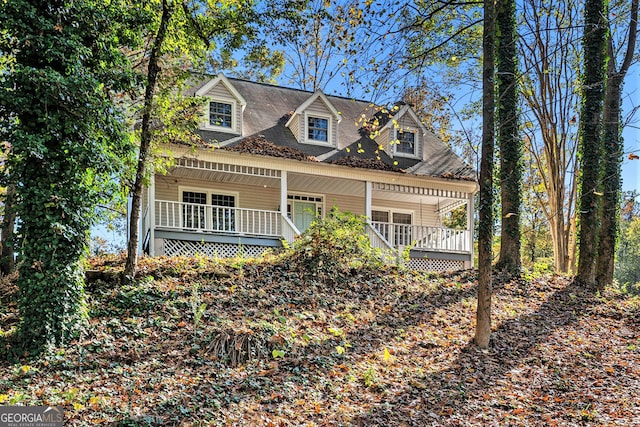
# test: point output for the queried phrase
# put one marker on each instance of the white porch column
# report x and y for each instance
(152, 214)
(283, 193)
(367, 198)
(470, 227)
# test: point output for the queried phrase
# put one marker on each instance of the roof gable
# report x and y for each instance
(405, 110)
(317, 95)
(221, 79)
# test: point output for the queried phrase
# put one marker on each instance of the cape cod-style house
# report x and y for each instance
(272, 159)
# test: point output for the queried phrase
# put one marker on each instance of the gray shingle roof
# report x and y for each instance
(269, 107)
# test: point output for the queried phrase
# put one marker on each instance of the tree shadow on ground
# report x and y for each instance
(453, 393)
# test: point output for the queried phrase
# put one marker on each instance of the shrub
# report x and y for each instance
(334, 246)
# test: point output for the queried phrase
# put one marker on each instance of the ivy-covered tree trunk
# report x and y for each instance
(590, 148)
(612, 159)
(509, 139)
(67, 142)
(7, 258)
(485, 223)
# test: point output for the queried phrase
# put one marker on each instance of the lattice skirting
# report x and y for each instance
(427, 264)
(171, 247)
(210, 249)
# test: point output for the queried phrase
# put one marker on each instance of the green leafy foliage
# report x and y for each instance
(456, 219)
(627, 272)
(179, 38)
(334, 246)
(67, 144)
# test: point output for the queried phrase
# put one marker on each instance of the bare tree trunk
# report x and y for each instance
(153, 70)
(594, 42)
(572, 231)
(560, 253)
(614, 147)
(559, 234)
(548, 60)
(485, 223)
(7, 259)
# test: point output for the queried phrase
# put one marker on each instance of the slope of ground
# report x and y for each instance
(197, 342)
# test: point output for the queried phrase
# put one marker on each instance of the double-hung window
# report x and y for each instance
(194, 209)
(318, 129)
(208, 210)
(397, 232)
(406, 142)
(221, 114)
(223, 214)
(402, 229)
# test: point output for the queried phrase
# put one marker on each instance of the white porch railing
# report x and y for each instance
(289, 230)
(377, 240)
(217, 219)
(424, 237)
(229, 220)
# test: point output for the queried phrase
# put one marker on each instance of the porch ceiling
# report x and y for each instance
(219, 176)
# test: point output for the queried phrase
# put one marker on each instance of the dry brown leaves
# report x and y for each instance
(260, 145)
(451, 175)
(359, 162)
(392, 348)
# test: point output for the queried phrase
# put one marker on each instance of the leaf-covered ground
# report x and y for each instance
(196, 342)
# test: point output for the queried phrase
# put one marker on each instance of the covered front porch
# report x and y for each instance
(226, 208)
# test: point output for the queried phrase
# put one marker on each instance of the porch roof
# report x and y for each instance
(317, 177)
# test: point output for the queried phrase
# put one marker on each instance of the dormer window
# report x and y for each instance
(318, 129)
(315, 121)
(221, 114)
(224, 107)
(406, 142)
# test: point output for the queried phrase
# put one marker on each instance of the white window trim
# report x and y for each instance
(387, 235)
(209, 191)
(319, 196)
(208, 220)
(391, 211)
(328, 118)
(416, 143)
(235, 126)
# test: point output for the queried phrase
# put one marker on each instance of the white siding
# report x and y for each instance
(219, 91)
(384, 139)
(250, 197)
(351, 204)
(294, 126)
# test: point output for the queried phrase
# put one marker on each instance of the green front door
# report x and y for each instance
(303, 215)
